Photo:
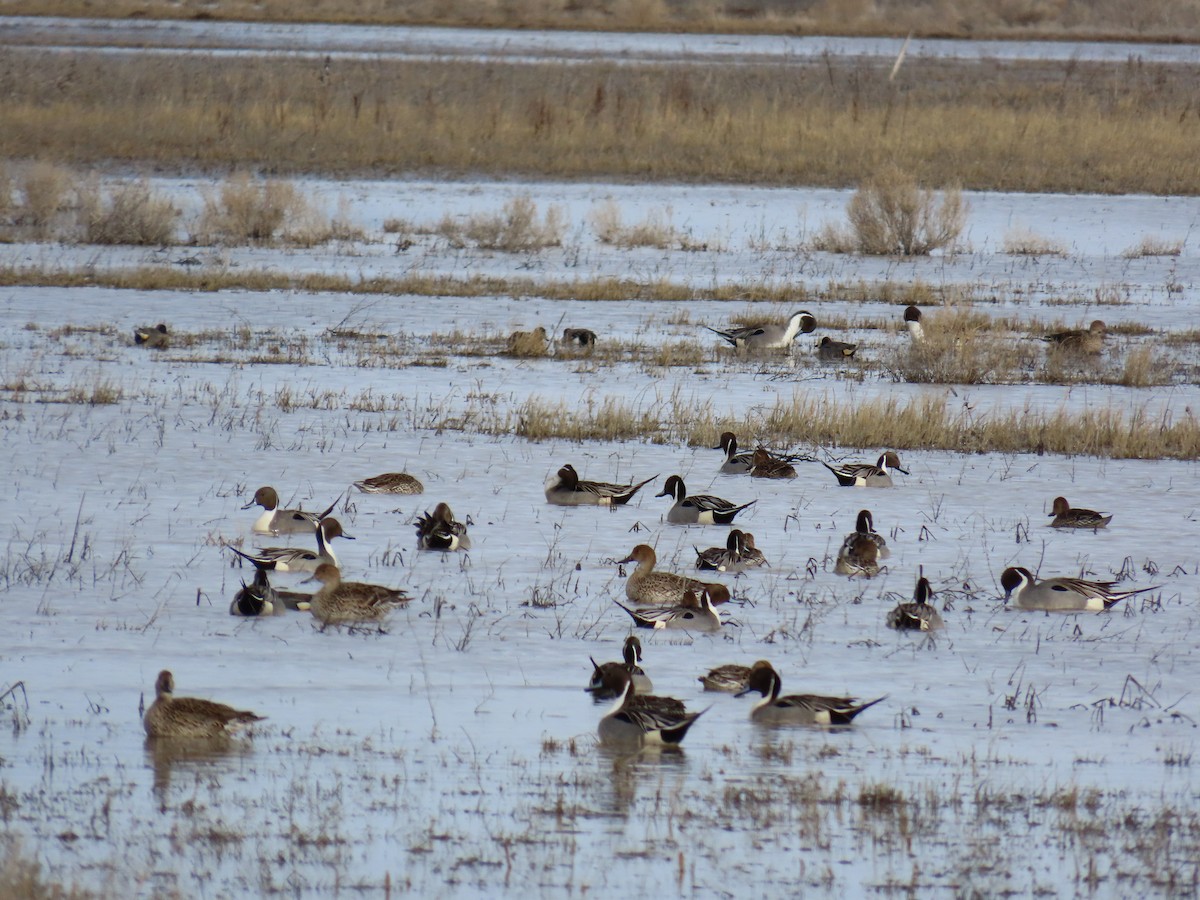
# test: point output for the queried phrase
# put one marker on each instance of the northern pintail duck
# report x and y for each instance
(764, 464)
(391, 483)
(701, 509)
(728, 679)
(865, 525)
(912, 321)
(189, 717)
(606, 683)
(695, 613)
(1061, 594)
(771, 336)
(738, 554)
(156, 337)
(920, 615)
(651, 588)
(1089, 340)
(865, 474)
(261, 598)
(797, 709)
(298, 559)
(829, 350)
(439, 530)
(528, 343)
(565, 489)
(1067, 516)
(735, 463)
(640, 719)
(584, 337)
(351, 602)
(282, 521)
(858, 555)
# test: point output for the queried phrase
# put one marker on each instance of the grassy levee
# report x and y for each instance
(983, 125)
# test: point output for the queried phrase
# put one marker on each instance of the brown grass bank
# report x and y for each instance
(983, 125)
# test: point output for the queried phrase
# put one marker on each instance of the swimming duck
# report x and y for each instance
(738, 554)
(278, 521)
(797, 709)
(297, 559)
(771, 336)
(735, 463)
(1089, 340)
(189, 717)
(651, 588)
(391, 483)
(695, 613)
(829, 350)
(728, 679)
(439, 531)
(865, 474)
(605, 684)
(1067, 516)
(920, 615)
(865, 524)
(155, 338)
(858, 555)
(1061, 594)
(701, 509)
(764, 464)
(565, 489)
(350, 602)
(641, 719)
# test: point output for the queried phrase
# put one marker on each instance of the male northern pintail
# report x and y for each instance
(640, 719)
(391, 483)
(156, 337)
(695, 613)
(829, 350)
(797, 709)
(351, 602)
(189, 717)
(439, 530)
(865, 474)
(771, 336)
(865, 525)
(858, 555)
(920, 614)
(1089, 340)
(1061, 594)
(606, 683)
(728, 679)
(298, 559)
(1067, 516)
(738, 554)
(701, 509)
(283, 521)
(764, 464)
(912, 321)
(257, 598)
(651, 588)
(735, 463)
(584, 337)
(565, 489)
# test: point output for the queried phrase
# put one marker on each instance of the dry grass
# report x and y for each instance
(1026, 127)
(44, 190)
(130, 214)
(962, 346)
(1152, 246)
(246, 210)
(890, 214)
(21, 878)
(1170, 20)
(1023, 242)
(655, 230)
(517, 228)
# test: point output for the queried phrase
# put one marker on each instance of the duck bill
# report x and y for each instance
(250, 504)
(898, 469)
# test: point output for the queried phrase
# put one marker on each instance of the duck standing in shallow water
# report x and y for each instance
(1067, 516)
(566, 489)
(797, 709)
(771, 336)
(1061, 594)
(700, 509)
(351, 602)
(606, 684)
(638, 720)
(278, 521)
(920, 615)
(391, 483)
(189, 717)
(297, 559)
(695, 613)
(865, 474)
(651, 588)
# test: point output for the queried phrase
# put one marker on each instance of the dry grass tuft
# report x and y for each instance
(131, 214)
(890, 215)
(517, 228)
(1143, 368)
(1023, 242)
(245, 210)
(528, 344)
(21, 879)
(962, 346)
(1152, 246)
(655, 230)
(44, 189)
(833, 237)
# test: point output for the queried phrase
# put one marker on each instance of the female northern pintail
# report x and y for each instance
(1067, 516)
(646, 586)
(283, 521)
(1061, 594)
(865, 525)
(912, 321)
(695, 613)
(858, 555)
(738, 554)
(528, 343)
(771, 336)
(189, 717)
(606, 683)
(829, 350)
(764, 464)
(1089, 340)
(735, 463)
(391, 483)
(729, 679)
(565, 489)
(920, 615)
(439, 530)
(797, 709)
(350, 602)
(640, 719)
(865, 474)
(701, 509)
(297, 559)
(156, 337)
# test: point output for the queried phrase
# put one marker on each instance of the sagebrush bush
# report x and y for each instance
(131, 213)
(245, 210)
(891, 215)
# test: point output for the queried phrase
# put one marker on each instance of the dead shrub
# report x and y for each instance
(833, 238)
(517, 227)
(655, 230)
(890, 215)
(132, 213)
(43, 189)
(245, 210)
(1152, 246)
(1023, 242)
(1143, 369)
